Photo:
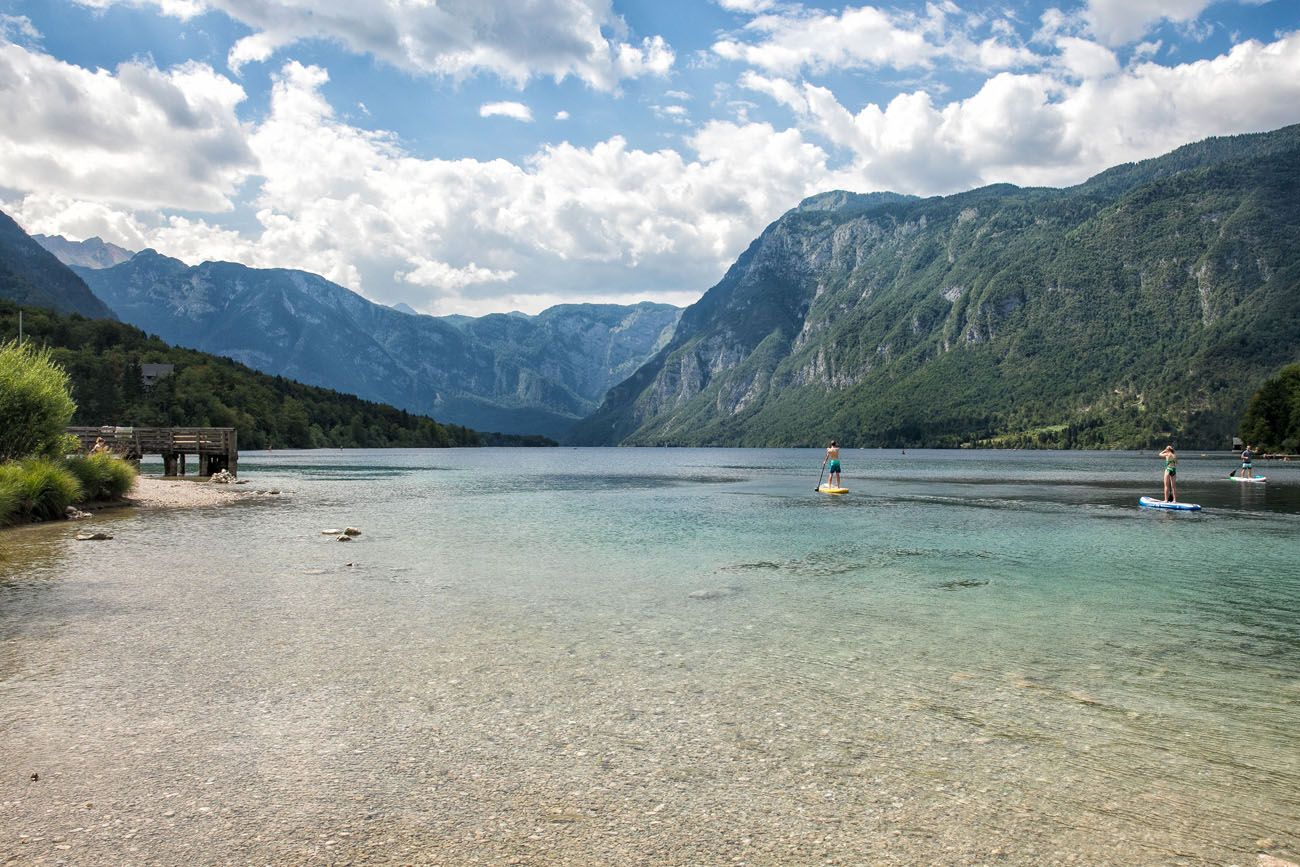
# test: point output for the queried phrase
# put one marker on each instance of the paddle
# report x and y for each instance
(819, 475)
(1233, 473)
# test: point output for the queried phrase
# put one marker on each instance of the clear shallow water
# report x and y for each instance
(664, 656)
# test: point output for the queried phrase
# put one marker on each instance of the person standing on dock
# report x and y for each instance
(833, 464)
(1171, 474)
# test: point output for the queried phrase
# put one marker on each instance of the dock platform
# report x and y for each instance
(214, 448)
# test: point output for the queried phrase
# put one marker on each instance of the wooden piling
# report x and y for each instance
(214, 448)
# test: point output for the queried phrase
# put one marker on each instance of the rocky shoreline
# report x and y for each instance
(154, 492)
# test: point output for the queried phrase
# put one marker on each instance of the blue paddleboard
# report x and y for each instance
(1153, 503)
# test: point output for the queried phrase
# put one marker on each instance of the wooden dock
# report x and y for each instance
(215, 448)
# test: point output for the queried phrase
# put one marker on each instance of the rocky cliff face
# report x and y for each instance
(514, 374)
(1146, 302)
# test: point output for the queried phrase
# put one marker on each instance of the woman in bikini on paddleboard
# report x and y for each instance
(1171, 473)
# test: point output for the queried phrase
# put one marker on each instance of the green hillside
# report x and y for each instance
(31, 275)
(103, 359)
(1146, 303)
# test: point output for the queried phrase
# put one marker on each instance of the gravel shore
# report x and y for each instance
(152, 492)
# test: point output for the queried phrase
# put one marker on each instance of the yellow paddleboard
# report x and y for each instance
(827, 489)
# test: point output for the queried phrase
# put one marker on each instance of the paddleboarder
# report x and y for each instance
(1247, 463)
(833, 464)
(1171, 474)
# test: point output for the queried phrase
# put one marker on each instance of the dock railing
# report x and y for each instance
(216, 448)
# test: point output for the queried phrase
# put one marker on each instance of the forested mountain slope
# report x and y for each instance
(31, 275)
(103, 360)
(1150, 301)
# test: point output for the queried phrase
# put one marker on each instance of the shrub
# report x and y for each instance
(34, 402)
(102, 476)
(44, 487)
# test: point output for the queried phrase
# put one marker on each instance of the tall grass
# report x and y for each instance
(9, 499)
(43, 488)
(102, 476)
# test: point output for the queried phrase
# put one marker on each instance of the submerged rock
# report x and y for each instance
(713, 593)
(963, 583)
(330, 532)
(352, 531)
(1271, 861)
(93, 537)
(344, 537)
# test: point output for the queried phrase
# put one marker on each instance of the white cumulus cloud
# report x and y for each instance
(1119, 22)
(861, 37)
(1082, 58)
(516, 110)
(440, 275)
(1047, 129)
(135, 135)
(793, 40)
(457, 38)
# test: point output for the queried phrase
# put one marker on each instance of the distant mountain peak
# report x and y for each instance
(93, 252)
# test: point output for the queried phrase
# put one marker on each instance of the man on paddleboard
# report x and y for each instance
(1171, 473)
(833, 464)
(1247, 463)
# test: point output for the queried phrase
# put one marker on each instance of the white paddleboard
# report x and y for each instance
(1251, 479)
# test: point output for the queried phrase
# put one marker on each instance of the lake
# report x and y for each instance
(663, 656)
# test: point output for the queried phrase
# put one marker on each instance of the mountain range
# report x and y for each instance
(1146, 303)
(503, 372)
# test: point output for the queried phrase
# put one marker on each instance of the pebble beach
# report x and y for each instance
(155, 492)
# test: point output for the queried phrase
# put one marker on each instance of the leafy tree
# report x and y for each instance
(35, 406)
(1272, 419)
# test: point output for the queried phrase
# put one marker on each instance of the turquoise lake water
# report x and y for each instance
(664, 656)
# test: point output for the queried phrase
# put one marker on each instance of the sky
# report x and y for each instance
(478, 156)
